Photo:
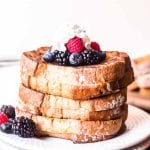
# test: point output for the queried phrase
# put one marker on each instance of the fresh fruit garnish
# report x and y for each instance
(76, 59)
(75, 45)
(24, 127)
(95, 46)
(8, 110)
(6, 127)
(62, 58)
(91, 57)
(103, 55)
(3, 118)
(48, 57)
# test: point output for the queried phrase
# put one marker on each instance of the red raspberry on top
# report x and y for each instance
(75, 45)
(3, 118)
(95, 46)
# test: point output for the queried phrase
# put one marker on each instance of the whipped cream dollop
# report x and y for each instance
(67, 32)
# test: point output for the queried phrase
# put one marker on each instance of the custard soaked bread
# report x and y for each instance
(112, 106)
(82, 82)
(45, 101)
(76, 130)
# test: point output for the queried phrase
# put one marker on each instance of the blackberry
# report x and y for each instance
(91, 57)
(55, 52)
(8, 110)
(62, 58)
(24, 127)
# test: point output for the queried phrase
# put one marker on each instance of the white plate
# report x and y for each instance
(138, 128)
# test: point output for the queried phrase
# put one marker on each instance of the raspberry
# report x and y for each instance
(95, 46)
(3, 118)
(75, 45)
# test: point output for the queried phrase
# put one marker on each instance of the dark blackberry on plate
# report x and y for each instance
(24, 127)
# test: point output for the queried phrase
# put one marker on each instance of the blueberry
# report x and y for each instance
(103, 55)
(48, 57)
(6, 127)
(76, 59)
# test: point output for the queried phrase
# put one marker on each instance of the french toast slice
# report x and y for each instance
(41, 101)
(79, 114)
(82, 82)
(76, 130)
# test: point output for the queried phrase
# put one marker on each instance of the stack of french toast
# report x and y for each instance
(84, 103)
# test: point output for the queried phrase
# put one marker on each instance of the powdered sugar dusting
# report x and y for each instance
(118, 101)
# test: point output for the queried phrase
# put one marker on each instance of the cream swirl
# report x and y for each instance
(67, 32)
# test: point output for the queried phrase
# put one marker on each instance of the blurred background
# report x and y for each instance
(117, 24)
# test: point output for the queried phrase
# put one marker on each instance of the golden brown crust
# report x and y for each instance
(81, 82)
(76, 91)
(77, 130)
(79, 114)
(45, 101)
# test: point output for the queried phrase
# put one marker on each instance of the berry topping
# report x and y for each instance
(95, 46)
(76, 59)
(56, 52)
(3, 118)
(6, 127)
(24, 127)
(91, 57)
(48, 57)
(11, 120)
(8, 110)
(75, 45)
(62, 58)
(103, 55)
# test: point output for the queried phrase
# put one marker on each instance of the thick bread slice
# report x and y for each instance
(45, 101)
(79, 114)
(81, 82)
(86, 131)
(78, 92)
